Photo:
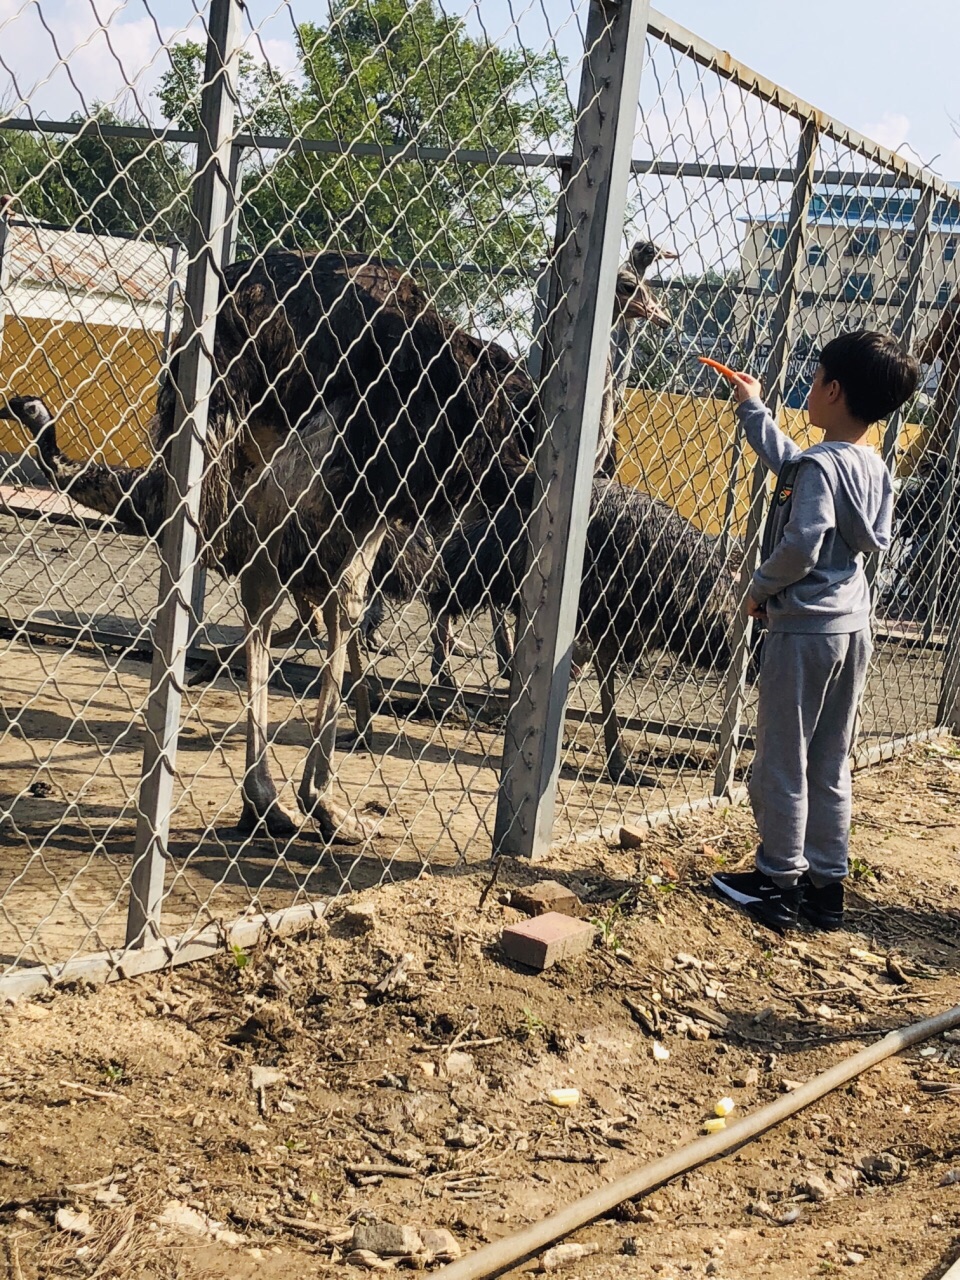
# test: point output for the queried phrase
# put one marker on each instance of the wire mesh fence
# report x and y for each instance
(365, 506)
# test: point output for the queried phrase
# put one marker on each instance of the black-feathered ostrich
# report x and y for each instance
(651, 579)
(635, 302)
(341, 401)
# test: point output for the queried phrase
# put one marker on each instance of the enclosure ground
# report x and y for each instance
(136, 1103)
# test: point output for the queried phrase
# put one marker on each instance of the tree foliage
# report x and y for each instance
(96, 182)
(391, 73)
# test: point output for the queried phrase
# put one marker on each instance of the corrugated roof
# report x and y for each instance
(78, 263)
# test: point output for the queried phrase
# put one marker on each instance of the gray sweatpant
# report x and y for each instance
(810, 687)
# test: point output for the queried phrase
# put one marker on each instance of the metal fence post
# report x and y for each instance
(5, 219)
(591, 214)
(774, 386)
(541, 311)
(179, 543)
(198, 595)
(908, 312)
(948, 710)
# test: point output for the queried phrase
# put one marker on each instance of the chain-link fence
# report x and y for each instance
(366, 507)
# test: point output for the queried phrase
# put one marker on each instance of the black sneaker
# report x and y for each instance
(758, 894)
(822, 907)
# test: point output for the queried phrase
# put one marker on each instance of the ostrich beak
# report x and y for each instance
(6, 413)
(666, 253)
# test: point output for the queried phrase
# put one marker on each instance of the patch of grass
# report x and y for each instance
(531, 1024)
(608, 922)
(861, 870)
(115, 1072)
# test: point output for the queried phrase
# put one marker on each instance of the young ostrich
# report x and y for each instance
(634, 303)
(650, 577)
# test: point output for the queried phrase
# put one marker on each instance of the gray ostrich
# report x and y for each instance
(341, 401)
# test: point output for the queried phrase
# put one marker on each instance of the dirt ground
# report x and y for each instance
(208, 1122)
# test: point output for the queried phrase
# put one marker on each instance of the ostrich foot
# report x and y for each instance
(273, 821)
(335, 824)
(355, 742)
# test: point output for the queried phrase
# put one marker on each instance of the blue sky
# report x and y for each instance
(886, 69)
(882, 67)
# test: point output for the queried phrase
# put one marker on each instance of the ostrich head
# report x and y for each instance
(635, 301)
(644, 254)
(30, 411)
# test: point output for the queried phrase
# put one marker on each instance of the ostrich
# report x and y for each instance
(650, 577)
(634, 303)
(341, 401)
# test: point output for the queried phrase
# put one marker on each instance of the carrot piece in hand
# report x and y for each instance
(722, 369)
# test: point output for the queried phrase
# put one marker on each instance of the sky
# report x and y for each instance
(886, 70)
(889, 75)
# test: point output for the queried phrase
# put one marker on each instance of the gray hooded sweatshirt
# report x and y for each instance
(832, 504)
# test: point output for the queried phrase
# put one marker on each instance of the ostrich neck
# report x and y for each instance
(132, 495)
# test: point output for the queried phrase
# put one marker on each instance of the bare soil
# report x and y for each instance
(136, 1104)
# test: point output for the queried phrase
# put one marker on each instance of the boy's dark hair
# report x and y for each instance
(875, 373)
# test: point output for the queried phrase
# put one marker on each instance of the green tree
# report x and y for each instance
(95, 182)
(393, 72)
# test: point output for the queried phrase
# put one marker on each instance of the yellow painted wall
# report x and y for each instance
(103, 380)
(100, 378)
(679, 448)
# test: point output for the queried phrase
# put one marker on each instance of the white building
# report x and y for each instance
(854, 271)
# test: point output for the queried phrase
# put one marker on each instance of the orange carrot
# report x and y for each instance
(720, 368)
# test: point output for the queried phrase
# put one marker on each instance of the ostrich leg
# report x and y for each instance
(342, 614)
(260, 593)
(605, 665)
(502, 643)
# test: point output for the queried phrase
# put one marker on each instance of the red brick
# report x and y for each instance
(546, 895)
(545, 939)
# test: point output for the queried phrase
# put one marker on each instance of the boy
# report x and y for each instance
(832, 504)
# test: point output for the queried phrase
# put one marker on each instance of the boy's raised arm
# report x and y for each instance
(763, 435)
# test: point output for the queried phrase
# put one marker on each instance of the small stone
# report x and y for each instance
(264, 1078)
(367, 1259)
(564, 1255)
(441, 1243)
(814, 1188)
(546, 895)
(76, 1224)
(361, 916)
(788, 1086)
(936, 1220)
(853, 1259)
(749, 1078)
(466, 1136)
(459, 1064)
(713, 1267)
(633, 837)
(649, 1216)
(386, 1240)
(182, 1218)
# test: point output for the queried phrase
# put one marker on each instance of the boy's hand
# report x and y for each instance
(756, 611)
(745, 387)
